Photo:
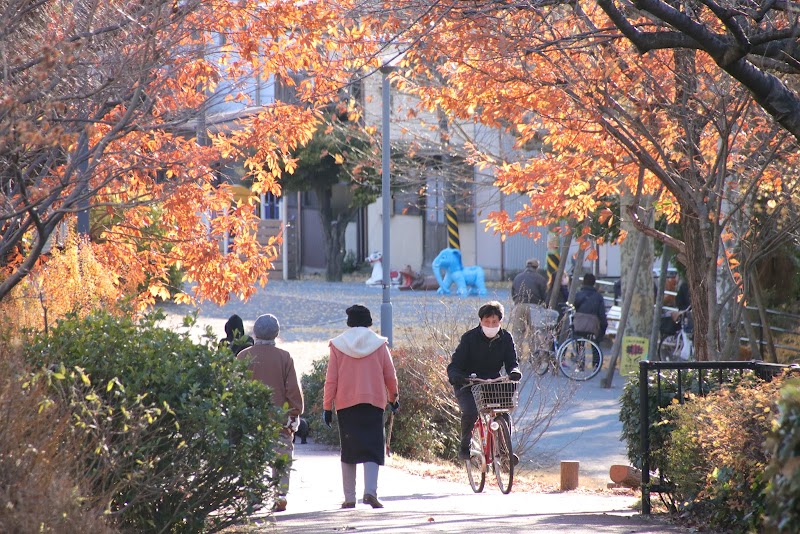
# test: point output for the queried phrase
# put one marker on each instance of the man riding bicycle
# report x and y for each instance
(482, 351)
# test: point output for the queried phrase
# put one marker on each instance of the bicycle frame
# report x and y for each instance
(491, 448)
(573, 350)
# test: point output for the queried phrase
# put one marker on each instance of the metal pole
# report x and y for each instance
(386, 305)
(644, 435)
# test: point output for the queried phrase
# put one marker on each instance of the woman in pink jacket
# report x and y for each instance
(360, 380)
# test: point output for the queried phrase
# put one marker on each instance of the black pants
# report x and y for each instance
(469, 414)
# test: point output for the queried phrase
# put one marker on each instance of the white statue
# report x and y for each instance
(376, 278)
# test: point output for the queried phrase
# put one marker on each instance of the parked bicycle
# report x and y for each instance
(578, 358)
(676, 337)
(491, 437)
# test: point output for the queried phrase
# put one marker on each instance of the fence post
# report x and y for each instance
(644, 435)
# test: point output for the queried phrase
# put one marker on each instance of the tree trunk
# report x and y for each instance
(333, 228)
(697, 276)
(642, 243)
(655, 328)
(640, 316)
(334, 252)
(555, 287)
(764, 320)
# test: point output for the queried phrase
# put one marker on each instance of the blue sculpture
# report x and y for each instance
(468, 280)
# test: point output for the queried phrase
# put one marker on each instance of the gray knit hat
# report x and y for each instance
(266, 327)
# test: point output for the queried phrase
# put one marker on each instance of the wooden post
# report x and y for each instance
(626, 476)
(569, 475)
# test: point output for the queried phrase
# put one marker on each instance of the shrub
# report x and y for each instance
(660, 428)
(72, 278)
(41, 487)
(715, 455)
(313, 387)
(426, 426)
(783, 472)
(185, 436)
(350, 263)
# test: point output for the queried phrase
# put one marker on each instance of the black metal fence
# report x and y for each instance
(708, 373)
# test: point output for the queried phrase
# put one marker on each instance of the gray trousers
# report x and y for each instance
(349, 480)
(284, 446)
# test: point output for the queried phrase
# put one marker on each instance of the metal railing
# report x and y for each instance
(708, 374)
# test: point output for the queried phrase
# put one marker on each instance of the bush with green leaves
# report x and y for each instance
(630, 413)
(185, 436)
(715, 454)
(662, 391)
(313, 385)
(783, 445)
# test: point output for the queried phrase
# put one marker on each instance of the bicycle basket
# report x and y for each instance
(543, 317)
(496, 396)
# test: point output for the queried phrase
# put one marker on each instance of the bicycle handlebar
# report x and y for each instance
(475, 380)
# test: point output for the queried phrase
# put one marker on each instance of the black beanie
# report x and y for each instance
(358, 315)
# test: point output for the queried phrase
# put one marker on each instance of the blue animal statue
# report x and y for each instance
(468, 280)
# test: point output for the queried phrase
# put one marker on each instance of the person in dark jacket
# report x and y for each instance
(589, 300)
(235, 339)
(483, 351)
(529, 288)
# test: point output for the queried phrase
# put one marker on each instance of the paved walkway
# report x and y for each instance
(417, 505)
(587, 429)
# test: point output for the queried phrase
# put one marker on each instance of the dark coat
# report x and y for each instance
(483, 356)
(589, 300)
(683, 300)
(234, 335)
(529, 287)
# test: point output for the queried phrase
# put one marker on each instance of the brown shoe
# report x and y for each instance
(348, 504)
(372, 500)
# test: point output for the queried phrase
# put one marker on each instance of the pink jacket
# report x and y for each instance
(360, 370)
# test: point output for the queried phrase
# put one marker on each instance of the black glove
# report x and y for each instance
(395, 406)
(327, 416)
(515, 375)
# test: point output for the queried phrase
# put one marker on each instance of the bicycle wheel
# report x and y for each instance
(542, 362)
(503, 462)
(476, 465)
(580, 359)
(669, 348)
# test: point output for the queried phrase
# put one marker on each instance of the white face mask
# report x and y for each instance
(490, 331)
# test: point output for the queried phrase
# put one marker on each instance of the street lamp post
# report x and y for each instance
(386, 305)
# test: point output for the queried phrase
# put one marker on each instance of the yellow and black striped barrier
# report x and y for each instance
(452, 227)
(552, 264)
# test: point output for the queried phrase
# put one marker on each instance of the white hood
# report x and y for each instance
(358, 342)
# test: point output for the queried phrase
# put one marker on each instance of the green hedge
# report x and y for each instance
(716, 459)
(185, 436)
(783, 445)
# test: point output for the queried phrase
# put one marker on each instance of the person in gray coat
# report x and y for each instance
(529, 288)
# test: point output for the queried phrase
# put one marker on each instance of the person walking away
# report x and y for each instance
(274, 367)
(529, 288)
(482, 351)
(359, 382)
(235, 339)
(590, 311)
